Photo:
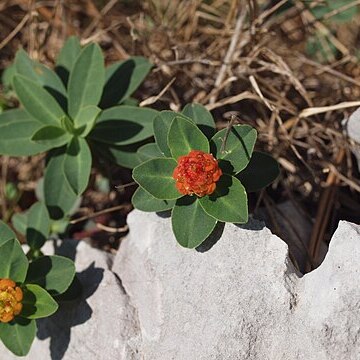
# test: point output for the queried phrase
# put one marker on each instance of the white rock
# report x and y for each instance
(352, 128)
(101, 326)
(241, 299)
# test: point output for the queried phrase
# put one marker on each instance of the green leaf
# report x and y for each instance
(201, 117)
(144, 201)
(130, 102)
(53, 273)
(38, 73)
(12, 193)
(67, 57)
(262, 170)
(328, 6)
(122, 79)
(19, 222)
(77, 165)
(18, 335)
(190, 223)
(59, 226)
(124, 125)
(321, 47)
(6, 233)
(161, 126)
(37, 101)
(185, 136)
(155, 176)
(238, 148)
(58, 194)
(13, 262)
(42, 75)
(86, 79)
(67, 124)
(38, 225)
(16, 130)
(228, 203)
(7, 77)
(37, 302)
(149, 151)
(86, 118)
(53, 136)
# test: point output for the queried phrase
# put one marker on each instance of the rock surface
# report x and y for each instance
(241, 299)
(352, 128)
(237, 297)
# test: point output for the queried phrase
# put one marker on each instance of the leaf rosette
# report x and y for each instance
(196, 173)
(77, 112)
(27, 290)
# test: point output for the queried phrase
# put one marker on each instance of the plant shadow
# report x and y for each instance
(212, 239)
(70, 313)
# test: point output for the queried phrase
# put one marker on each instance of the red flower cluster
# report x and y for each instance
(197, 173)
(10, 300)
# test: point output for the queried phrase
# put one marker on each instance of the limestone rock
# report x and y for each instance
(352, 128)
(238, 296)
(242, 298)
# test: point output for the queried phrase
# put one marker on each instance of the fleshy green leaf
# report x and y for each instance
(124, 125)
(67, 57)
(53, 136)
(155, 176)
(238, 148)
(53, 273)
(67, 124)
(122, 79)
(86, 118)
(86, 79)
(161, 125)
(144, 201)
(58, 194)
(38, 228)
(16, 130)
(13, 262)
(18, 335)
(42, 75)
(228, 203)
(130, 102)
(190, 223)
(19, 222)
(7, 77)
(149, 151)
(262, 170)
(37, 101)
(11, 191)
(6, 233)
(77, 165)
(202, 117)
(185, 136)
(37, 302)
(38, 73)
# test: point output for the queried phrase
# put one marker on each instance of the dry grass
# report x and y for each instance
(242, 57)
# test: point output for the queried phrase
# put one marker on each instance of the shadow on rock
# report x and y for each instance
(252, 224)
(212, 239)
(70, 313)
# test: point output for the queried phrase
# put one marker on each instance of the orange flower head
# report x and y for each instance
(197, 173)
(10, 300)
